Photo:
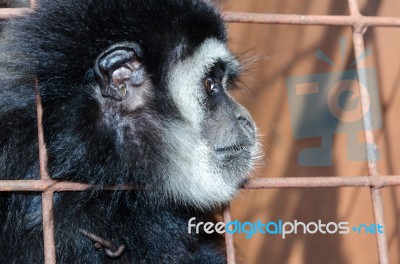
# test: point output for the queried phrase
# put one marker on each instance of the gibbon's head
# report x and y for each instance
(140, 89)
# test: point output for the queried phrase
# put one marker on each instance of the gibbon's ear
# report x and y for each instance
(119, 69)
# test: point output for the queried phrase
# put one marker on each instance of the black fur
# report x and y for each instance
(58, 44)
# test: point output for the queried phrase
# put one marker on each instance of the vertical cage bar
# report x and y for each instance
(44, 175)
(47, 196)
(230, 247)
(377, 204)
(359, 30)
(48, 228)
(358, 40)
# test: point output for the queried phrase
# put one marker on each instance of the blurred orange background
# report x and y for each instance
(284, 51)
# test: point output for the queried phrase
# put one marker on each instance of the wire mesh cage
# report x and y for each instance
(358, 22)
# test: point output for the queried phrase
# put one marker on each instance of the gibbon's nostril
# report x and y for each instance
(246, 124)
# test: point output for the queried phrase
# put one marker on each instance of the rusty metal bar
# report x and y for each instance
(359, 30)
(324, 182)
(263, 18)
(259, 183)
(47, 195)
(44, 175)
(8, 13)
(358, 41)
(230, 247)
(100, 243)
(377, 204)
(48, 228)
(58, 186)
(317, 20)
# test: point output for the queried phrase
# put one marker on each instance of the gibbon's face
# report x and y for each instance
(209, 138)
(218, 139)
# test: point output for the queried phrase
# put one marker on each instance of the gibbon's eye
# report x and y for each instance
(209, 85)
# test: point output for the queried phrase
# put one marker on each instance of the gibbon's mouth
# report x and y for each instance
(233, 148)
